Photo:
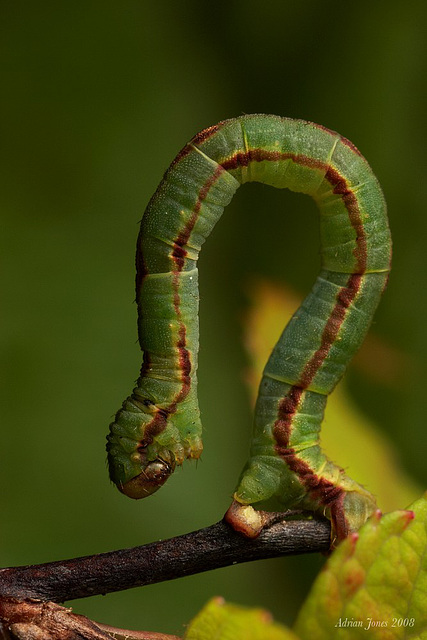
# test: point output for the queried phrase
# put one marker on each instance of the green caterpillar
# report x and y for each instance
(159, 424)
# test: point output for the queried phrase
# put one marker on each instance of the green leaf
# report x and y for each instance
(375, 584)
(222, 621)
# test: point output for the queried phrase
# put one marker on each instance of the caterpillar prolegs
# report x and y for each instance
(159, 424)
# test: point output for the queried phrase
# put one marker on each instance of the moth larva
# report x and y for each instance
(159, 424)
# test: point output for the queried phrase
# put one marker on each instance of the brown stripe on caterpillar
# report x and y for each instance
(287, 409)
(320, 489)
(332, 175)
(179, 253)
(345, 297)
(259, 155)
(243, 158)
(289, 404)
(342, 189)
(159, 421)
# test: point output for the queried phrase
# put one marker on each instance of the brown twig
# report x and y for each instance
(29, 596)
(29, 620)
(203, 550)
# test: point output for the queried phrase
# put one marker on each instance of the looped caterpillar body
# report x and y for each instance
(159, 424)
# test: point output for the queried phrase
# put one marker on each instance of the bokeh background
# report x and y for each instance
(97, 99)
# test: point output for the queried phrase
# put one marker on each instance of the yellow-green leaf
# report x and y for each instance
(222, 621)
(375, 584)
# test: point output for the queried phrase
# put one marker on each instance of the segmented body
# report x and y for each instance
(159, 424)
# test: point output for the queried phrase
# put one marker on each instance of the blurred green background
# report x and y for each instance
(97, 99)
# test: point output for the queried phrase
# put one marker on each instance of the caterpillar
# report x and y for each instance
(159, 425)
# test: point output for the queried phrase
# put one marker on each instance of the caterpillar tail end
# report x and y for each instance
(148, 481)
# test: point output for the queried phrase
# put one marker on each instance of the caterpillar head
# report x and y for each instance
(151, 478)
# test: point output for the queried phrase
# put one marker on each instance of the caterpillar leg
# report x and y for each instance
(339, 499)
(245, 519)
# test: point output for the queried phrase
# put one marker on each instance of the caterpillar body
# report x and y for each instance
(159, 424)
